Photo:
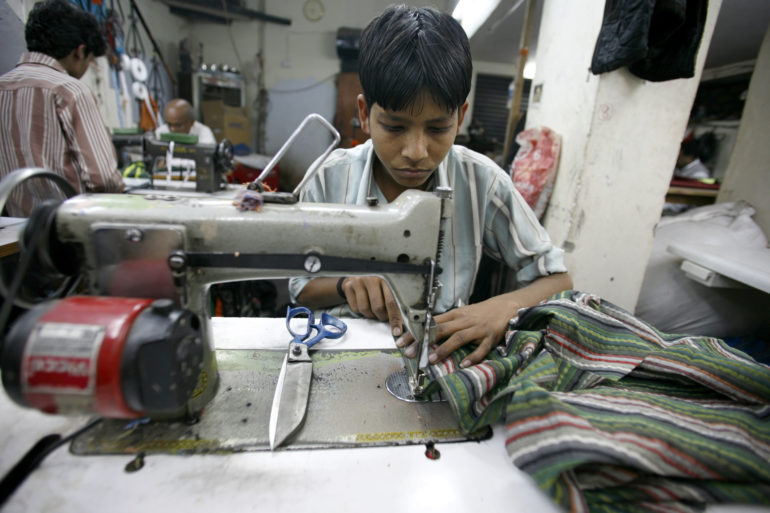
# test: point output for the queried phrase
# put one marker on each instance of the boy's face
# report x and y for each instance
(410, 143)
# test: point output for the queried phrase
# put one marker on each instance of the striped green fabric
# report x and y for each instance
(607, 413)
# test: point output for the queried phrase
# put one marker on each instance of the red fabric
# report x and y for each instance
(684, 182)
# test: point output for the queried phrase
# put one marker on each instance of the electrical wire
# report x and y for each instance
(133, 44)
(34, 456)
(307, 87)
(232, 40)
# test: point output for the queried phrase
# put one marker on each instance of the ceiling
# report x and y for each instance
(738, 34)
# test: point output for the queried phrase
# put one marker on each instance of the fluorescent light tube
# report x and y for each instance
(473, 13)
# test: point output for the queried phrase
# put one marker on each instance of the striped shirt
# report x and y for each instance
(489, 215)
(51, 120)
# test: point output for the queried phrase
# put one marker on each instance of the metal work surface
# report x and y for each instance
(349, 406)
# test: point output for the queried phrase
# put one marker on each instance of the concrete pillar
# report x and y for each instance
(620, 139)
(747, 177)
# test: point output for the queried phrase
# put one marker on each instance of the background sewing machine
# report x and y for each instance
(126, 142)
(181, 157)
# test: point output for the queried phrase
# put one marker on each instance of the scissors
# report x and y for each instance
(293, 389)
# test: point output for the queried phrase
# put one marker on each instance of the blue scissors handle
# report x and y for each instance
(329, 327)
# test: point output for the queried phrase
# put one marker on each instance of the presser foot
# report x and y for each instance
(398, 385)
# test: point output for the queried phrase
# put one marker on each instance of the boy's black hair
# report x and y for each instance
(56, 27)
(406, 50)
(690, 148)
(702, 147)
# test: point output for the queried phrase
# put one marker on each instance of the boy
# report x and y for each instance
(415, 69)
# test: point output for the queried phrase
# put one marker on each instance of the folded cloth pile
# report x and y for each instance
(607, 413)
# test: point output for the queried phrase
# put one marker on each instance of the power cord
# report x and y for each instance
(34, 456)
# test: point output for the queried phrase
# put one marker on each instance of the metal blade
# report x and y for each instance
(291, 395)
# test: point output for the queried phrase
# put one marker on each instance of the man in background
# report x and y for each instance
(688, 163)
(180, 119)
(48, 117)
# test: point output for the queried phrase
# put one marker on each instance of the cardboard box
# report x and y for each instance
(227, 122)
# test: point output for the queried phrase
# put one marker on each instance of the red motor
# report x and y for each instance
(117, 357)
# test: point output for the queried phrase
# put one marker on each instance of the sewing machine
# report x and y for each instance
(171, 249)
(125, 142)
(209, 162)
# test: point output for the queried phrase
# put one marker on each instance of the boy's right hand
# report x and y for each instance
(371, 297)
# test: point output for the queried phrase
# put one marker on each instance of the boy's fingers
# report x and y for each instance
(404, 340)
(479, 355)
(394, 314)
(476, 356)
(362, 306)
(352, 294)
(376, 305)
(450, 345)
(362, 301)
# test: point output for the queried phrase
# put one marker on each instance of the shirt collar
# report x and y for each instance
(41, 58)
(369, 186)
(694, 163)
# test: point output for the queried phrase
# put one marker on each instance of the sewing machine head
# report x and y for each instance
(174, 248)
(181, 155)
(126, 140)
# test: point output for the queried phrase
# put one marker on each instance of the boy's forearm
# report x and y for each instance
(320, 293)
(537, 291)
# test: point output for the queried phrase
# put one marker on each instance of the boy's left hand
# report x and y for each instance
(483, 324)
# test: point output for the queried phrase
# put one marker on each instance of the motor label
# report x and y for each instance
(61, 358)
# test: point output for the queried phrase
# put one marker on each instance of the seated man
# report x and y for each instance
(48, 117)
(180, 119)
(688, 165)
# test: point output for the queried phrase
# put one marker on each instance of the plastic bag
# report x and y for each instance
(674, 303)
(535, 165)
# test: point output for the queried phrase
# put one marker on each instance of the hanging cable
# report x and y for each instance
(34, 456)
(133, 43)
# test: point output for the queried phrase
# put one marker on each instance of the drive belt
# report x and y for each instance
(310, 262)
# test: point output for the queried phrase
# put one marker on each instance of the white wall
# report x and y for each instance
(12, 29)
(620, 138)
(20, 8)
(748, 171)
(166, 28)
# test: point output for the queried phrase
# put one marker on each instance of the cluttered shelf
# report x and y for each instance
(692, 192)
